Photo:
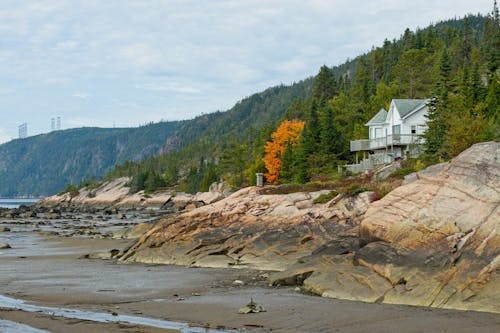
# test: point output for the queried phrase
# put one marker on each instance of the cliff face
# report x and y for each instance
(434, 241)
(445, 229)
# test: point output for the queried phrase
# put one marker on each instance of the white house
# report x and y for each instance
(392, 134)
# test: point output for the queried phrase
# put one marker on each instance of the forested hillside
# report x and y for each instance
(44, 164)
(455, 63)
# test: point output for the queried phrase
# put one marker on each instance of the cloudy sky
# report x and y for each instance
(124, 63)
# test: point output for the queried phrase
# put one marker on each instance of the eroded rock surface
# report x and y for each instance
(250, 229)
(432, 242)
(115, 195)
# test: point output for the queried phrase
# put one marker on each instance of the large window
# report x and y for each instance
(378, 132)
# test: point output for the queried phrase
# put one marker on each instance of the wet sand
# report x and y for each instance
(47, 271)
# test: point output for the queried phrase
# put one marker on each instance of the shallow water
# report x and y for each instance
(17, 304)
(12, 327)
(15, 203)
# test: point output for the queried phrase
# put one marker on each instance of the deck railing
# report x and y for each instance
(385, 142)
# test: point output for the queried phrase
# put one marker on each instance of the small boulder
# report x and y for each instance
(4, 229)
(4, 246)
(251, 307)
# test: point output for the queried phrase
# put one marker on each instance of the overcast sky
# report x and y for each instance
(125, 63)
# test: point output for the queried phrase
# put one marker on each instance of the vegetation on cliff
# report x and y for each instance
(453, 62)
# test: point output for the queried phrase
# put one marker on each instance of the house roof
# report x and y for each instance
(407, 106)
(379, 118)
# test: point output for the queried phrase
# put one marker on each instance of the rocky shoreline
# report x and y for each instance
(434, 241)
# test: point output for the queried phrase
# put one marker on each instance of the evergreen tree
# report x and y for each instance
(325, 85)
(209, 176)
(467, 42)
(362, 82)
(466, 89)
(413, 71)
(476, 86)
(311, 135)
(437, 127)
(287, 166)
(491, 40)
(328, 134)
(492, 103)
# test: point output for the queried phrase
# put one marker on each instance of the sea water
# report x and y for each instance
(16, 202)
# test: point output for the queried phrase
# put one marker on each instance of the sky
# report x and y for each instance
(121, 63)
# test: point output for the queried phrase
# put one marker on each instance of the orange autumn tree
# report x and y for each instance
(287, 133)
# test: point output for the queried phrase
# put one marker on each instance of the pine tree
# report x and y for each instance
(467, 42)
(301, 174)
(287, 164)
(437, 127)
(492, 102)
(466, 89)
(325, 85)
(492, 40)
(328, 133)
(442, 87)
(311, 135)
(438, 110)
(362, 82)
(476, 85)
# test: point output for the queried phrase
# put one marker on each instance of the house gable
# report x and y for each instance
(407, 106)
(378, 119)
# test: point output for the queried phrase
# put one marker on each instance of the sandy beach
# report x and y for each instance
(49, 271)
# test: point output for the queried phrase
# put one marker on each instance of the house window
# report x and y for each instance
(413, 129)
(396, 132)
(378, 132)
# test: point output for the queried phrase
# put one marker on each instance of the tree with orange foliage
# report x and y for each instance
(287, 134)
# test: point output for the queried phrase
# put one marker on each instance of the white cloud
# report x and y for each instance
(67, 45)
(81, 95)
(170, 87)
(178, 58)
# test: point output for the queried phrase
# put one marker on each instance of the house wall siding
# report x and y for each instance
(418, 119)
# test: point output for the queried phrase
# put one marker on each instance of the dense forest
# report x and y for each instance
(301, 133)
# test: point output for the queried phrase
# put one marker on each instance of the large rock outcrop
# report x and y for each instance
(116, 194)
(251, 229)
(432, 242)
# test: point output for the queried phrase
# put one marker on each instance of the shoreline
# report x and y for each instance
(203, 297)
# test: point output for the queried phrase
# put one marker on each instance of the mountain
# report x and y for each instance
(456, 61)
(44, 164)
(334, 105)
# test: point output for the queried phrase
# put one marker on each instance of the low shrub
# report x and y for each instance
(71, 189)
(324, 198)
(401, 173)
(355, 189)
